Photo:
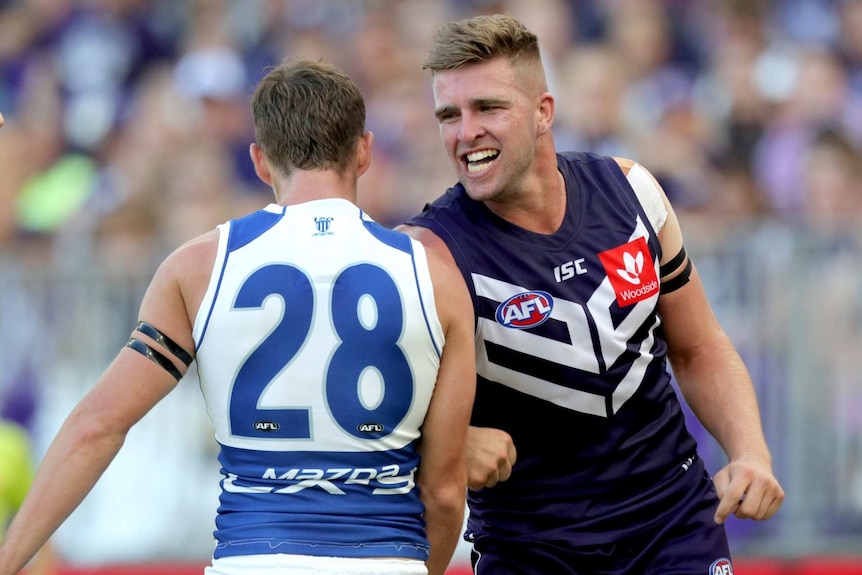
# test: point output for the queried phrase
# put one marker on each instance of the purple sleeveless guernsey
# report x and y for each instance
(571, 362)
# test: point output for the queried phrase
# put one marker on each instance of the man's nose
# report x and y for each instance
(471, 127)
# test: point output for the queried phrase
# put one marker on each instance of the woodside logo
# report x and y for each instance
(630, 269)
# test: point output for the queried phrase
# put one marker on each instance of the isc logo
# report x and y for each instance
(721, 567)
(525, 310)
(266, 425)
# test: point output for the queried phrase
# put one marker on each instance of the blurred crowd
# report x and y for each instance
(128, 122)
(128, 128)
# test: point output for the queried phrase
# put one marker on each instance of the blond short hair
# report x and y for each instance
(481, 38)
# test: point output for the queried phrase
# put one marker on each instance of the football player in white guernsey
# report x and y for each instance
(579, 461)
(335, 357)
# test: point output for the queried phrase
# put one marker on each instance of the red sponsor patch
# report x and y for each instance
(631, 271)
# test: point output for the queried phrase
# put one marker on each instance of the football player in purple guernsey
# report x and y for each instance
(335, 357)
(579, 460)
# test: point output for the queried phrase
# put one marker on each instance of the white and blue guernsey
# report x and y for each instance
(318, 345)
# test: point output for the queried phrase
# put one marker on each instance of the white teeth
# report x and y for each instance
(473, 159)
(477, 156)
(475, 168)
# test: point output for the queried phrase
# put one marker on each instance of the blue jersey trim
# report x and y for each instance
(212, 304)
(393, 238)
(241, 232)
(245, 230)
(402, 242)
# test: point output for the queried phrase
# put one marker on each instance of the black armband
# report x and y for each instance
(674, 263)
(165, 342)
(678, 281)
(154, 356)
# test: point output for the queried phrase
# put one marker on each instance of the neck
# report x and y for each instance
(308, 185)
(540, 204)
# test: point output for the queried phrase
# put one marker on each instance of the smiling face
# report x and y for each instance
(491, 116)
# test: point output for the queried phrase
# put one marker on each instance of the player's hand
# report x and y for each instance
(748, 489)
(1, 119)
(490, 456)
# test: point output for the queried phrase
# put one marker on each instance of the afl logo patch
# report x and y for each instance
(266, 425)
(721, 567)
(525, 310)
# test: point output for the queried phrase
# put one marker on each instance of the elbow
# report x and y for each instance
(88, 429)
(447, 498)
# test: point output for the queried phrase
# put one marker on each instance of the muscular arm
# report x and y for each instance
(490, 453)
(442, 474)
(716, 385)
(95, 430)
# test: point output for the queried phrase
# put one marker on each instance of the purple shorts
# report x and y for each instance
(689, 543)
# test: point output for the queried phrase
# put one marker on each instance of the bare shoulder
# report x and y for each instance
(656, 203)
(196, 253)
(181, 281)
(450, 290)
(429, 239)
(443, 267)
(625, 164)
(424, 235)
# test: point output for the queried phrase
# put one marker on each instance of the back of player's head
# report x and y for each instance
(481, 38)
(308, 116)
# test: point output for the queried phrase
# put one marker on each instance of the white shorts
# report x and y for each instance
(277, 564)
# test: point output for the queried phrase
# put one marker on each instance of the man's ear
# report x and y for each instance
(545, 112)
(261, 168)
(363, 153)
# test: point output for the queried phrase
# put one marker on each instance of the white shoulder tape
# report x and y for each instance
(648, 193)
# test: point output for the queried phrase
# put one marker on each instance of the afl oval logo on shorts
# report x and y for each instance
(721, 567)
(266, 425)
(525, 310)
